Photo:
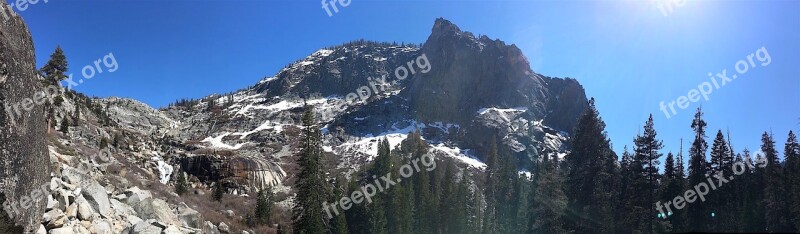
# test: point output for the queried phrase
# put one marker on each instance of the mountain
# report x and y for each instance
(461, 92)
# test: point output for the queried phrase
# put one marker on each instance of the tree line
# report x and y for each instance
(590, 190)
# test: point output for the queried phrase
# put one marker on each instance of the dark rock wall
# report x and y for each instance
(23, 138)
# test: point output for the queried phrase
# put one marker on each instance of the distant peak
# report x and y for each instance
(443, 26)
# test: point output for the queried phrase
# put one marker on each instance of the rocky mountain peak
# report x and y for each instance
(470, 73)
(444, 27)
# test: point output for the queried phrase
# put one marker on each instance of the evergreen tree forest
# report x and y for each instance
(590, 190)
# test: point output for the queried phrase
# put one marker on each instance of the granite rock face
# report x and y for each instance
(23, 153)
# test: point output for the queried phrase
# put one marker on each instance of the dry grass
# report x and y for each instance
(213, 210)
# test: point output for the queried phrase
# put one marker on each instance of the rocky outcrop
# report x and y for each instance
(23, 141)
(568, 99)
(245, 174)
(470, 73)
(136, 115)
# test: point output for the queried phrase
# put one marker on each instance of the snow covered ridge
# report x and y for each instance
(368, 145)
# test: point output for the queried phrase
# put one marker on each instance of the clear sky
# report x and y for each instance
(630, 55)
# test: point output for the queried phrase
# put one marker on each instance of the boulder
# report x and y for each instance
(229, 213)
(133, 219)
(223, 228)
(210, 228)
(145, 227)
(51, 203)
(62, 230)
(189, 217)
(135, 195)
(171, 229)
(101, 226)
(76, 176)
(156, 209)
(72, 211)
(121, 209)
(80, 229)
(52, 215)
(96, 195)
(57, 222)
(85, 211)
(64, 198)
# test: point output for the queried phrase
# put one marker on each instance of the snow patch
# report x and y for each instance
(369, 144)
(502, 111)
(323, 53)
(462, 155)
(268, 80)
(268, 125)
(216, 142)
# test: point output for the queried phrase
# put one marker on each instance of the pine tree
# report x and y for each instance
(377, 209)
(697, 213)
(508, 195)
(400, 199)
(647, 155)
(64, 125)
(719, 201)
(264, 203)
(626, 193)
(77, 117)
(55, 69)
(424, 211)
(376, 216)
(218, 191)
(591, 175)
(447, 210)
(775, 203)
(753, 213)
(180, 184)
(462, 216)
(740, 199)
(679, 217)
(339, 222)
(671, 187)
(536, 174)
(212, 104)
(791, 154)
(492, 179)
(308, 216)
(550, 203)
(357, 219)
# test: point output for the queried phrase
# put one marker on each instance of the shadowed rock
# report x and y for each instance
(23, 147)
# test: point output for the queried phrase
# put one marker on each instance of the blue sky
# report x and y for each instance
(627, 54)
